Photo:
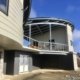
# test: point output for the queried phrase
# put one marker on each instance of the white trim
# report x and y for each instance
(46, 23)
(57, 19)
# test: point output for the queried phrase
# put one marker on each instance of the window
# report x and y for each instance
(4, 6)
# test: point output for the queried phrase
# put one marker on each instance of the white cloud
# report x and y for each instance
(33, 13)
(76, 39)
(76, 34)
(2, 7)
(77, 46)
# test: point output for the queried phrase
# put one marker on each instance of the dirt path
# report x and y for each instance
(48, 75)
(56, 76)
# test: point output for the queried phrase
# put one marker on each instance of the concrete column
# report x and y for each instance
(75, 64)
(69, 38)
(1, 63)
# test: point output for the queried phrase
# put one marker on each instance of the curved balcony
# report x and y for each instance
(51, 30)
(44, 46)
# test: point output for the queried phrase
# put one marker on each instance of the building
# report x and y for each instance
(13, 15)
(33, 44)
(52, 39)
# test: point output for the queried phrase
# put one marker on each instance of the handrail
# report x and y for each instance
(46, 45)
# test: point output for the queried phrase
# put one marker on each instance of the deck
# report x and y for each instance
(45, 47)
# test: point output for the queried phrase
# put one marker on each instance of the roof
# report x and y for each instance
(41, 25)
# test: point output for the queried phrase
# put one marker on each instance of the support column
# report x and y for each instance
(1, 63)
(69, 38)
(50, 36)
(75, 64)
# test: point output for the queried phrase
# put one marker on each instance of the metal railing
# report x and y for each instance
(41, 45)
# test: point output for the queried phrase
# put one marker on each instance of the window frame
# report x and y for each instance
(6, 9)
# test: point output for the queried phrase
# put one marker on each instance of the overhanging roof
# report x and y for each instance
(41, 25)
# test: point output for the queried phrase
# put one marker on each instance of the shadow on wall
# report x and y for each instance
(53, 62)
(9, 63)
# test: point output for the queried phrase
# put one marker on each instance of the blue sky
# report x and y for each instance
(65, 9)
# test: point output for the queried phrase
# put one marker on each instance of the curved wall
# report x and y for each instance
(70, 38)
(11, 26)
(58, 34)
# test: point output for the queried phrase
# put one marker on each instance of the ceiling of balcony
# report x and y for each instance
(39, 26)
(40, 29)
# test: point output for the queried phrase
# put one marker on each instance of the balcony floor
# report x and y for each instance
(54, 52)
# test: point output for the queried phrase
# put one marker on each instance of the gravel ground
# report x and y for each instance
(56, 76)
(46, 75)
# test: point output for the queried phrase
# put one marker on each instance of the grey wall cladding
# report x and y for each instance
(12, 61)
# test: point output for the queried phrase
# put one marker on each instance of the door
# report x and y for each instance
(23, 63)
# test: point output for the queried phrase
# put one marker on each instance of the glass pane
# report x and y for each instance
(3, 2)
(3, 5)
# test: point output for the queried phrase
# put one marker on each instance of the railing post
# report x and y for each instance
(30, 33)
(50, 36)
